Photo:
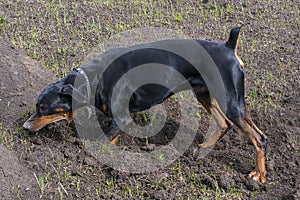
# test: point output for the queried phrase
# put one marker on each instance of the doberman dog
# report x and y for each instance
(55, 101)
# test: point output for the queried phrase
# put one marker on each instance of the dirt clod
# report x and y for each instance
(226, 182)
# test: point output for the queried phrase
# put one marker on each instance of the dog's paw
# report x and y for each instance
(207, 144)
(258, 176)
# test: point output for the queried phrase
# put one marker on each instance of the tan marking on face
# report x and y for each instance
(72, 115)
(40, 121)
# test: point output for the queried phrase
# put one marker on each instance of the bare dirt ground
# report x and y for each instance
(21, 78)
(53, 163)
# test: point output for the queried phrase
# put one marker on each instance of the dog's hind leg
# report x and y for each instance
(259, 140)
(113, 132)
(224, 124)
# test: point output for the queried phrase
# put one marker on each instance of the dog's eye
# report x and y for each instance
(39, 106)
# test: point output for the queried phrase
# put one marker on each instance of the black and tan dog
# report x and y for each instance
(55, 101)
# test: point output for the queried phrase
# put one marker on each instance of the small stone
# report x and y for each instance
(270, 165)
(78, 143)
(226, 182)
(252, 185)
(66, 154)
(75, 173)
(22, 104)
(89, 161)
(37, 141)
(149, 147)
(272, 94)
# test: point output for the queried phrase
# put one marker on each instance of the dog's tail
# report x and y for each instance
(232, 42)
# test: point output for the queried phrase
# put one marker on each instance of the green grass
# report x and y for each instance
(7, 136)
(85, 33)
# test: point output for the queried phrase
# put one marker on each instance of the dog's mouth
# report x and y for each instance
(35, 122)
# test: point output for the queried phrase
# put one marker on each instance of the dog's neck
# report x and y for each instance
(87, 81)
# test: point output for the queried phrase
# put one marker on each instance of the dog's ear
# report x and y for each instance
(74, 93)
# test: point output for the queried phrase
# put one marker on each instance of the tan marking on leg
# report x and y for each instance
(215, 104)
(214, 109)
(115, 140)
(259, 173)
(205, 103)
(251, 123)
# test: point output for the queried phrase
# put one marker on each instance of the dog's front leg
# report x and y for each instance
(113, 132)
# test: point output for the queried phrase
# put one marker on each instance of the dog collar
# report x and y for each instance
(88, 85)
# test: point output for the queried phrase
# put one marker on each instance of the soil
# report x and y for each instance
(15, 178)
(57, 153)
(21, 79)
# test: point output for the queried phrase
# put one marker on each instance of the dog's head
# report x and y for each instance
(55, 104)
